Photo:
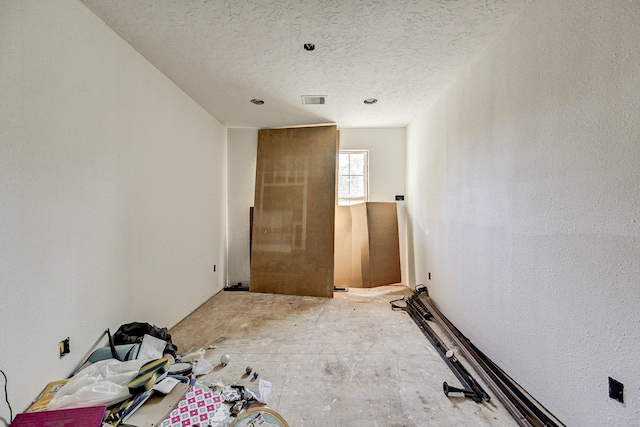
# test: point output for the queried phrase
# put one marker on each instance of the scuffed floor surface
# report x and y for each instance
(348, 361)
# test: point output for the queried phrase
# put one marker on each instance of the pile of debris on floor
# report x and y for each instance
(140, 380)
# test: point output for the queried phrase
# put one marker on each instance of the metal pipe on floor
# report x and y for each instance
(519, 409)
(471, 388)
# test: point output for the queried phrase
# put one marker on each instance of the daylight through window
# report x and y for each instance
(353, 177)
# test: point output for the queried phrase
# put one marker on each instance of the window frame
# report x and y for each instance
(353, 200)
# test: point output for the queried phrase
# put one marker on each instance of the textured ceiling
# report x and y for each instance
(223, 53)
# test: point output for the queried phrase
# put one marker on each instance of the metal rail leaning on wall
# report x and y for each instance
(520, 405)
(420, 314)
(523, 409)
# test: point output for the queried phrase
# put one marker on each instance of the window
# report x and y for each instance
(353, 177)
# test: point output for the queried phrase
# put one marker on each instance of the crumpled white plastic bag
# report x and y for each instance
(202, 367)
(264, 391)
(102, 383)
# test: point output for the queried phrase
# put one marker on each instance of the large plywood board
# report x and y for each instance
(294, 211)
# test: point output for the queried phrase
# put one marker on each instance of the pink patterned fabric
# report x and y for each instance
(195, 408)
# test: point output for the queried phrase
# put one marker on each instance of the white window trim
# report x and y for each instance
(354, 200)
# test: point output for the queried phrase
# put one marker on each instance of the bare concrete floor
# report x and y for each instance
(348, 361)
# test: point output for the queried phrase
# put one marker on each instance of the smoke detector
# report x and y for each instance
(314, 99)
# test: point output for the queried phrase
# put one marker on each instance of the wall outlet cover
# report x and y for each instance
(616, 390)
(64, 347)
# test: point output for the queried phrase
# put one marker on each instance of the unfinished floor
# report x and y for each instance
(348, 361)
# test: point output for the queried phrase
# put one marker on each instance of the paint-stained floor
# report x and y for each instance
(349, 361)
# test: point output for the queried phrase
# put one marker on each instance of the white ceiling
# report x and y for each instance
(223, 53)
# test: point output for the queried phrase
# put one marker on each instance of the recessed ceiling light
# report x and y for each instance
(370, 101)
(257, 101)
(309, 47)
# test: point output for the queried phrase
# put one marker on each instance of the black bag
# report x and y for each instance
(132, 333)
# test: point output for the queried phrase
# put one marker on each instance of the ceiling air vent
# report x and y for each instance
(314, 99)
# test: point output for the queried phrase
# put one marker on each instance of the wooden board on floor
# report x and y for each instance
(156, 409)
(294, 211)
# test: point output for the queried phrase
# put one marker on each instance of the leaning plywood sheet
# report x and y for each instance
(294, 213)
(155, 410)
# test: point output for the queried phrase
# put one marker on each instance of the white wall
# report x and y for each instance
(387, 159)
(241, 157)
(387, 178)
(523, 204)
(113, 186)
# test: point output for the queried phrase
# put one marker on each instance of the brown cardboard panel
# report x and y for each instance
(371, 246)
(294, 212)
(343, 264)
(360, 255)
(384, 243)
